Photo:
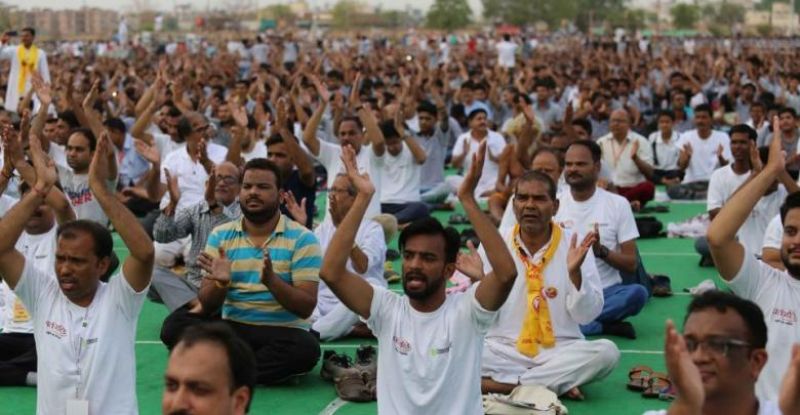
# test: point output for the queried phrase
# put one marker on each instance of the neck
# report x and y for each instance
(430, 304)
(261, 229)
(535, 237)
(703, 132)
(84, 301)
(741, 166)
(81, 171)
(666, 135)
(620, 138)
(582, 195)
(746, 404)
(479, 134)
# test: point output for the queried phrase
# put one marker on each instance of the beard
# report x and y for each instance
(259, 216)
(431, 286)
(792, 269)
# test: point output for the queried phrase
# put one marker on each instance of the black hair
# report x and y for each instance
(275, 138)
(352, 119)
(549, 150)
(535, 176)
(792, 201)
(388, 129)
(746, 309)
(744, 129)
(334, 74)
(590, 145)
(789, 110)
(103, 243)
(69, 117)
(474, 113)
(115, 124)
(241, 360)
(583, 123)
(666, 113)
(431, 226)
(260, 163)
(86, 133)
(184, 127)
(704, 108)
(427, 106)
(30, 30)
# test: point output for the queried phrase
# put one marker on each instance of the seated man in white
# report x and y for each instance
(586, 208)
(775, 291)
(467, 145)
(536, 338)
(332, 319)
(429, 343)
(401, 174)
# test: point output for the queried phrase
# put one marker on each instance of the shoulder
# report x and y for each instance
(603, 139)
(227, 231)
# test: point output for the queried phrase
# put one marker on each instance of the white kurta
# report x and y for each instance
(12, 93)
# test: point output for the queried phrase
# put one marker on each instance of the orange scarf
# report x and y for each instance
(537, 329)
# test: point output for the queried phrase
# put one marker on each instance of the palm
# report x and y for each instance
(473, 176)
(45, 169)
(470, 264)
(240, 116)
(221, 269)
(682, 370)
(150, 153)
(577, 253)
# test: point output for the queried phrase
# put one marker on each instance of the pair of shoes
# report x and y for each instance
(354, 381)
(620, 329)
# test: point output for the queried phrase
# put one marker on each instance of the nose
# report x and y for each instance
(179, 402)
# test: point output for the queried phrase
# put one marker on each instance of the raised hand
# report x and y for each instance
(577, 253)
(755, 160)
(360, 181)
(46, 175)
(239, 113)
(11, 144)
(267, 272)
(216, 269)
(355, 99)
(147, 151)
(322, 90)
(99, 168)
(687, 151)
(684, 373)
(470, 264)
(297, 210)
(42, 88)
(777, 157)
(473, 176)
(91, 97)
(789, 397)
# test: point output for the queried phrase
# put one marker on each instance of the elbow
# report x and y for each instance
(509, 276)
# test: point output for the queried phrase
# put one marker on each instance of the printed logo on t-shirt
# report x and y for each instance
(438, 352)
(787, 317)
(401, 345)
(55, 329)
(80, 196)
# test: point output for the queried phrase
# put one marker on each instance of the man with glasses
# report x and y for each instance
(715, 363)
(775, 291)
(220, 205)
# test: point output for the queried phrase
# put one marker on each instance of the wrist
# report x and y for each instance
(601, 252)
(41, 190)
(221, 284)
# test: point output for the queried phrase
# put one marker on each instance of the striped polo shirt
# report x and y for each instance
(296, 257)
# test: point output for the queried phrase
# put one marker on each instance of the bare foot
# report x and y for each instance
(575, 394)
(489, 385)
(636, 206)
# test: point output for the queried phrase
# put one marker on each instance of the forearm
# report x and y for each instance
(683, 162)
(373, 132)
(644, 167)
(293, 299)
(622, 261)
(136, 239)
(310, 132)
(301, 160)
(416, 150)
(499, 258)
(333, 263)
(37, 126)
(155, 189)
(13, 223)
(359, 260)
(234, 154)
(142, 121)
(211, 296)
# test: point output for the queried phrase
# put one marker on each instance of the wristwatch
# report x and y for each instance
(601, 252)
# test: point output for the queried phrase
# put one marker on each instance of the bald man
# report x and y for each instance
(630, 158)
(219, 206)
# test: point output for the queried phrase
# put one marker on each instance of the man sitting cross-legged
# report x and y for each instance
(429, 343)
(84, 329)
(536, 338)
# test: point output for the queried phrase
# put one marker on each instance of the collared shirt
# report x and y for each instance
(197, 221)
(618, 156)
(295, 255)
(132, 166)
(665, 153)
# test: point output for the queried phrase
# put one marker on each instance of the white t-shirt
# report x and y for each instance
(704, 154)
(723, 184)
(41, 249)
(6, 203)
(495, 145)
(191, 174)
(612, 213)
(618, 157)
(400, 178)
(667, 153)
(778, 295)
(371, 241)
(330, 156)
(259, 150)
(768, 408)
(505, 54)
(431, 358)
(81, 197)
(773, 236)
(104, 369)
(165, 144)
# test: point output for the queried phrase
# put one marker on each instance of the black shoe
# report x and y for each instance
(392, 255)
(619, 329)
(706, 261)
(334, 365)
(367, 359)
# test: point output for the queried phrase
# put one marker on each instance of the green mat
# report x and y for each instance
(674, 257)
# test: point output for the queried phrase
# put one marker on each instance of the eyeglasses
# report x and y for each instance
(719, 346)
(227, 179)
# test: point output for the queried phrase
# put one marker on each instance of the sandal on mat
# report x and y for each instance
(668, 394)
(658, 382)
(638, 377)
(351, 387)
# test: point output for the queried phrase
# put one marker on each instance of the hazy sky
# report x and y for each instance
(128, 4)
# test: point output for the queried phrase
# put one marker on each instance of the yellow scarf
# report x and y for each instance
(28, 59)
(537, 329)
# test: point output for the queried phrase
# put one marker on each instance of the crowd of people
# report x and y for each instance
(207, 159)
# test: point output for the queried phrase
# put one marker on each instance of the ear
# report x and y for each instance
(556, 204)
(449, 270)
(103, 265)
(758, 358)
(241, 399)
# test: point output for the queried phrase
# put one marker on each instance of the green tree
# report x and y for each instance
(449, 14)
(685, 16)
(344, 13)
(279, 12)
(730, 14)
